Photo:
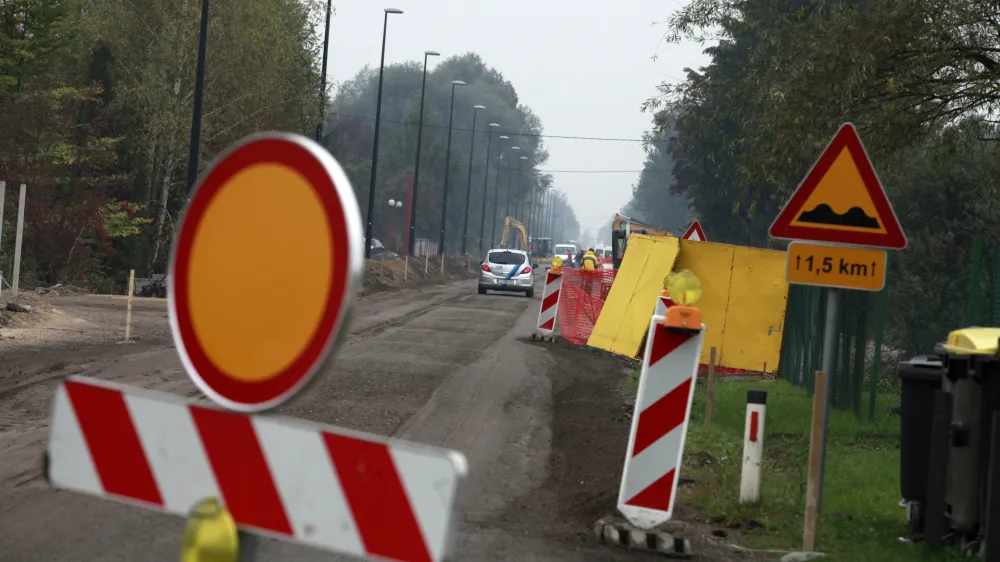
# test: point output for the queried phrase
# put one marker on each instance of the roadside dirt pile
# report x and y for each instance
(396, 273)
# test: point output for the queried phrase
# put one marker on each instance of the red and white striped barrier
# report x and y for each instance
(659, 424)
(662, 304)
(550, 303)
(753, 446)
(325, 487)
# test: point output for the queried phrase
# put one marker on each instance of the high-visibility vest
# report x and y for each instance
(589, 262)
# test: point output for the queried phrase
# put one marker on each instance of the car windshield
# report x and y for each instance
(506, 258)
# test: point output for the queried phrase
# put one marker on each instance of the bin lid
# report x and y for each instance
(921, 367)
(973, 341)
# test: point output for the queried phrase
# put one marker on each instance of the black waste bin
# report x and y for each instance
(920, 377)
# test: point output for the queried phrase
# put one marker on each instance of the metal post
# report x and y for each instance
(3, 191)
(486, 177)
(468, 183)
(199, 93)
(496, 193)
(447, 168)
(829, 365)
(18, 235)
(322, 88)
(416, 167)
(378, 119)
(507, 203)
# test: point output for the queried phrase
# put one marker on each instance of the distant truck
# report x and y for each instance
(568, 253)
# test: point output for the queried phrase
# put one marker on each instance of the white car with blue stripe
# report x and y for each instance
(507, 270)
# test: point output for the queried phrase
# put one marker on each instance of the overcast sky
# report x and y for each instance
(584, 72)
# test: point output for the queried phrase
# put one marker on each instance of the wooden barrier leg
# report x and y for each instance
(128, 309)
(815, 460)
(406, 267)
(710, 386)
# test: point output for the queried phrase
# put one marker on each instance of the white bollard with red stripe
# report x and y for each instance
(326, 487)
(753, 446)
(549, 308)
(659, 424)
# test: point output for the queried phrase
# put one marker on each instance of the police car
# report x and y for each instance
(507, 270)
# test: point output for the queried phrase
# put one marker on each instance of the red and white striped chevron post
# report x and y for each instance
(549, 308)
(659, 424)
(663, 302)
(326, 487)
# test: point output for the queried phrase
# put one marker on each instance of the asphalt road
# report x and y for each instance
(439, 365)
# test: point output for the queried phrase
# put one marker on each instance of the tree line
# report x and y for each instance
(95, 108)
(917, 78)
(506, 178)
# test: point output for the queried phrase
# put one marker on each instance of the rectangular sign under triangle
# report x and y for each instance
(841, 200)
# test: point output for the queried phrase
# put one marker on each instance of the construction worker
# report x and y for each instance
(589, 261)
(589, 266)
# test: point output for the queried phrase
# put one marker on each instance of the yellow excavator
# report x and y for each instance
(621, 228)
(522, 236)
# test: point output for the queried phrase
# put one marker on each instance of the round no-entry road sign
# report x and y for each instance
(264, 270)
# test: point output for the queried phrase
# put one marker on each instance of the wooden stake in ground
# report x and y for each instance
(815, 461)
(406, 267)
(427, 262)
(128, 309)
(442, 265)
(17, 242)
(710, 386)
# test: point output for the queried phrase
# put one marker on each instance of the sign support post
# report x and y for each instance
(842, 208)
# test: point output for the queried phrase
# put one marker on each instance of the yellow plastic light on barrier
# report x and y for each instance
(684, 288)
(556, 268)
(210, 534)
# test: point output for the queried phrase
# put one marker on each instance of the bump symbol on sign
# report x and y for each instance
(272, 200)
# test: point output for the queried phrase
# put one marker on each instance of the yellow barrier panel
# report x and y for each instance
(755, 317)
(743, 301)
(625, 317)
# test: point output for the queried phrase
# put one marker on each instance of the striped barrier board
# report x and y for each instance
(325, 487)
(662, 304)
(550, 303)
(659, 424)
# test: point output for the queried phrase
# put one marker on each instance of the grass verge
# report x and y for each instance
(860, 520)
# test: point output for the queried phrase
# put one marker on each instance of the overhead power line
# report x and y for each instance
(611, 139)
(596, 171)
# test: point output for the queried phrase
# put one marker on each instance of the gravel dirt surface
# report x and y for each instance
(543, 426)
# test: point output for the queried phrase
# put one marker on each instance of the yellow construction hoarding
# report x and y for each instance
(743, 304)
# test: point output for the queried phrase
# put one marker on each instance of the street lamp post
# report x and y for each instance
(496, 193)
(517, 189)
(468, 182)
(507, 205)
(416, 167)
(378, 120)
(447, 168)
(486, 176)
(393, 205)
(322, 87)
(199, 94)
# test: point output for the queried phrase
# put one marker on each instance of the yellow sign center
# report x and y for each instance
(259, 273)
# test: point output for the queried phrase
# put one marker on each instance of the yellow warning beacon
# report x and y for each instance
(684, 288)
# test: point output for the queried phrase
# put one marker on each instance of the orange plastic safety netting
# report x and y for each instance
(581, 301)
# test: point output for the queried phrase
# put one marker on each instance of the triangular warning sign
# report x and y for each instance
(694, 232)
(841, 200)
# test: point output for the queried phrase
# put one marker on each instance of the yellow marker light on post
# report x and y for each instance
(210, 534)
(556, 268)
(684, 288)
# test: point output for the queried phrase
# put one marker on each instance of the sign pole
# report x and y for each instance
(829, 363)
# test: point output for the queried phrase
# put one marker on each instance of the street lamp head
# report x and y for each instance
(392, 202)
(515, 148)
(432, 53)
(457, 83)
(399, 204)
(479, 107)
(504, 137)
(494, 124)
(393, 11)
(524, 158)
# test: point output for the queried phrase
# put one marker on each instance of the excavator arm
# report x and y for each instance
(509, 223)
